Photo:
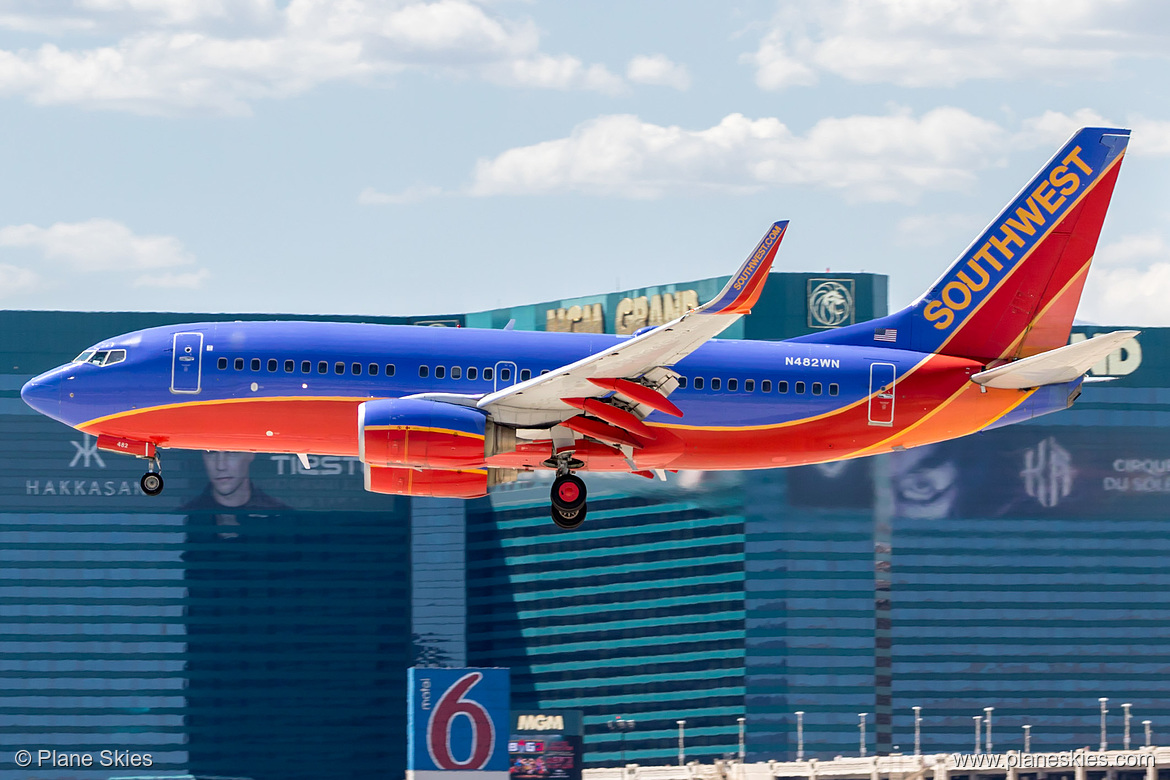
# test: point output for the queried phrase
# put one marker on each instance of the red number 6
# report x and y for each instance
(450, 706)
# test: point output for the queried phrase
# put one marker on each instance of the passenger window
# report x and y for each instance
(834, 388)
(505, 374)
(389, 369)
(543, 371)
(716, 383)
(682, 383)
(255, 364)
(440, 372)
(525, 374)
(733, 385)
(306, 366)
(456, 372)
(239, 364)
(472, 372)
(290, 366)
(356, 368)
(339, 367)
(800, 388)
(749, 385)
(221, 363)
(488, 373)
(698, 383)
(816, 388)
(272, 364)
(372, 369)
(322, 367)
(766, 386)
(424, 371)
(782, 386)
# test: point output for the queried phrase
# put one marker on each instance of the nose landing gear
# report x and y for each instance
(152, 481)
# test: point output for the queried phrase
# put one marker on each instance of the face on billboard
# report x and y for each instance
(228, 473)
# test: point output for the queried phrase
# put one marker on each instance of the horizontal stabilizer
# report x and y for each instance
(1055, 366)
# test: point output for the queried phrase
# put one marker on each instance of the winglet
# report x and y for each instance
(742, 292)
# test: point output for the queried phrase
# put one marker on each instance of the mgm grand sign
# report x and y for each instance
(629, 315)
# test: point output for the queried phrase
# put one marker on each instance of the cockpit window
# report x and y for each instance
(101, 357)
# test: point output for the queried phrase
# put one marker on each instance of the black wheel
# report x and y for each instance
(568, 518)
(568, 492)
(151, 483)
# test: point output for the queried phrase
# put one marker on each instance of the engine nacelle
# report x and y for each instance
(439, 483)
(428, 434)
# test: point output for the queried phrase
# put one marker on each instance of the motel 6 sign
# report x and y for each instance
(459, 720)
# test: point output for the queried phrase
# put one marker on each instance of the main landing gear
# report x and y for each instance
(152, 481)
(568, 500)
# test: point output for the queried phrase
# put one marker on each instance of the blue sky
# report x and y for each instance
(351, 156)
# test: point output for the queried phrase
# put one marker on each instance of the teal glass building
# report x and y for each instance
(1020, 569)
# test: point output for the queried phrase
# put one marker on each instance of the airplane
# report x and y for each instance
(452, 412)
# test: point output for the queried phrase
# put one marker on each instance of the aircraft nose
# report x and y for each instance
(43, 393)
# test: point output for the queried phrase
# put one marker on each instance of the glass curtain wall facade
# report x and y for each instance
(267, 639)
(637, 615)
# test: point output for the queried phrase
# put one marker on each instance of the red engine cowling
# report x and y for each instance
(423, 434)
(439, 483)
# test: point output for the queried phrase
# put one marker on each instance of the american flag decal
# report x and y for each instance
(885, 334)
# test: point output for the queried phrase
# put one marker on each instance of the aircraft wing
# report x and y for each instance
(537, 402)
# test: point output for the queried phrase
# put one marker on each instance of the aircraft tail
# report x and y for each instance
(1013, 293)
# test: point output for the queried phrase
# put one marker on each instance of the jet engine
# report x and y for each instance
(416, 447)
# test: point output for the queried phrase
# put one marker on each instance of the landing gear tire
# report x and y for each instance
(151, 483)
(568, 501)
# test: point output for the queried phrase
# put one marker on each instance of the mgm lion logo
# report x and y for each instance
(830, 303)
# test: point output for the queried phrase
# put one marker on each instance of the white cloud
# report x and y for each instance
(1133, 248)
(190, 280)
(15, 280)
(372, 197)
(1149, 137)
(919, 43)
(658, 70)
(98, 245)
(938, 229)
(1128, 296)
(168, 58)
(562, 72)
(878, 158)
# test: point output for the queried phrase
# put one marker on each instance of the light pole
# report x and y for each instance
(1146, 723)
(740, 721)
(1027, 738)
(917, 730)
(978, 731)
(681, 751)
(861, 730)
(800, 735)
(1104, 742)
(621, 726)
(987, 723)
(1125, 740)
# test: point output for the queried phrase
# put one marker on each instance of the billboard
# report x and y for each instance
(458, 722)
(545, 745)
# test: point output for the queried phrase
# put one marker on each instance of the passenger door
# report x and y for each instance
(881, 394)
(187, 363)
